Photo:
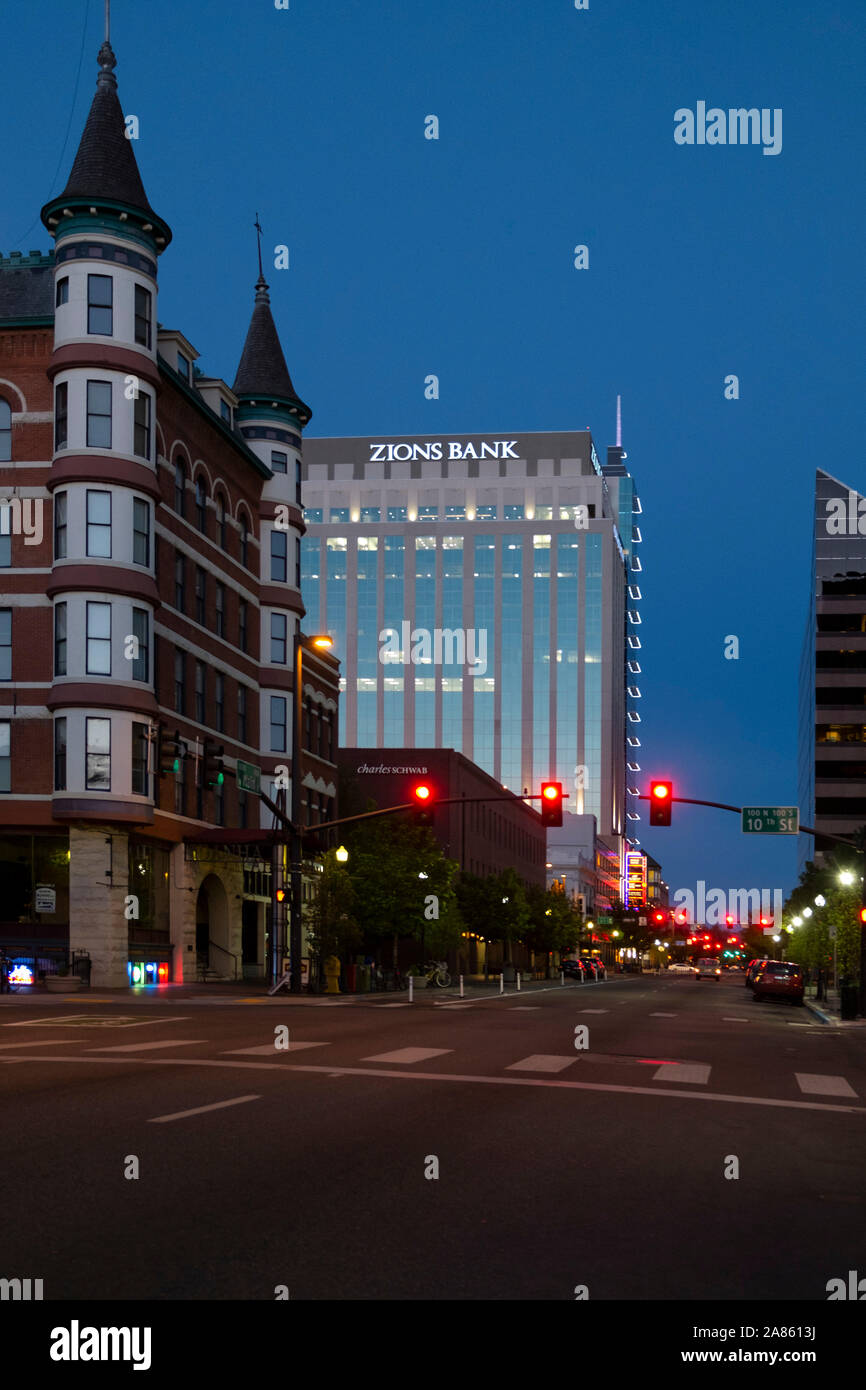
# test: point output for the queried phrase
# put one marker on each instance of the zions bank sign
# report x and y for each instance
(443, 449)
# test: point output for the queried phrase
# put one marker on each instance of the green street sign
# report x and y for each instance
(249, 778)
(771, 820)
(605, 921)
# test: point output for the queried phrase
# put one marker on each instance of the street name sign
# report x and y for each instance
(771, 820)
(249, 777)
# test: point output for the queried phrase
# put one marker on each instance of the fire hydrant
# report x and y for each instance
(332, 974)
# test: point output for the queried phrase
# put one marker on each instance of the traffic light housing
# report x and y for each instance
(551, 803)
(169, 751)
(214, 764)
(422, 796)
(661, 796)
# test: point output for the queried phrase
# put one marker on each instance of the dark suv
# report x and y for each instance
(779, 979)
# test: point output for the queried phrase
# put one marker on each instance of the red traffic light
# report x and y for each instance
(661, 796)
(551, 803)
(422, 792)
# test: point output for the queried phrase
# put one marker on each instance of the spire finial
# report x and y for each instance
(619, 422)
(105, 57)
(259, 240)
(261, 283)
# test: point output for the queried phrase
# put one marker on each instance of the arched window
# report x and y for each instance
(245, 541)
(5, 431)
(201, 504)
(221, 522)
(180, 486)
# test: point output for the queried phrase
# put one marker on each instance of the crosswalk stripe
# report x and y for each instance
(151, 1046)
(814, 1084)
(540, 1061)
(409, 1054)
(268, 1049)
(695, 1073)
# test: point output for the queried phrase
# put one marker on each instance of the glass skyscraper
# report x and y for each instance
(832, 716)
(481, 593)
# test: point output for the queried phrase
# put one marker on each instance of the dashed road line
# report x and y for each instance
(201, 1110)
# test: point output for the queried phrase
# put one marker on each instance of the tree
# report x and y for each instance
(332, 928)
(404, 884)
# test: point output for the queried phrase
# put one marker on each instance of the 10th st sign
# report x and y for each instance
(771, 820)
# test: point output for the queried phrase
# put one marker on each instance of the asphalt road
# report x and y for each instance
(603, 1166)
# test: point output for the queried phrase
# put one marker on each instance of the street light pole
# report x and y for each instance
(295, 817)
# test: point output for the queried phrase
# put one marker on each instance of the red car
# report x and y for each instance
(780, 979)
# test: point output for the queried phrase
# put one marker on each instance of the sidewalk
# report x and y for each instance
(827, 1009)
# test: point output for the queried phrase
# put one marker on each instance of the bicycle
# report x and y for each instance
(437, 974)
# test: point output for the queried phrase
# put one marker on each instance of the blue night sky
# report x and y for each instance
(454, 257)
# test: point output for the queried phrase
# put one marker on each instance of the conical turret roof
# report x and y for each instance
(262, 371)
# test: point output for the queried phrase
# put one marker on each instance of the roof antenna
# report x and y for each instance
(619, 422)
(108, 21)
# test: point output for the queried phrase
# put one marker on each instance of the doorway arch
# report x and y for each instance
(212, 927)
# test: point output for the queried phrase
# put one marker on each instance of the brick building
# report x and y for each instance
(483, 836)
(150, 527)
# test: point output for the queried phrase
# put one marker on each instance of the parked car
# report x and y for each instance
(588, 964)
(779, 979)
(752, 968)
(681, 967)
(599, 966)
(708, 969)
(573, 970)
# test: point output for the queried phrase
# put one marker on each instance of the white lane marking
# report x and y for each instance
(452, 1077)
(92, 1021)
(40, 1042)
(814, 1084)
(695, 1073)
(268, 1049)
(664, 1015)
(541, 1061)
(727, 1019)
(525, 1008)
(149, 1046)
(593, 1011)
(395, 1006)
(409, 1054)
(200, 1110)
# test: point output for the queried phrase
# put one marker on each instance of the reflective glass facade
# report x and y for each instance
(484, 610)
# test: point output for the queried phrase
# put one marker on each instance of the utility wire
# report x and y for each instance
(26, 234)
